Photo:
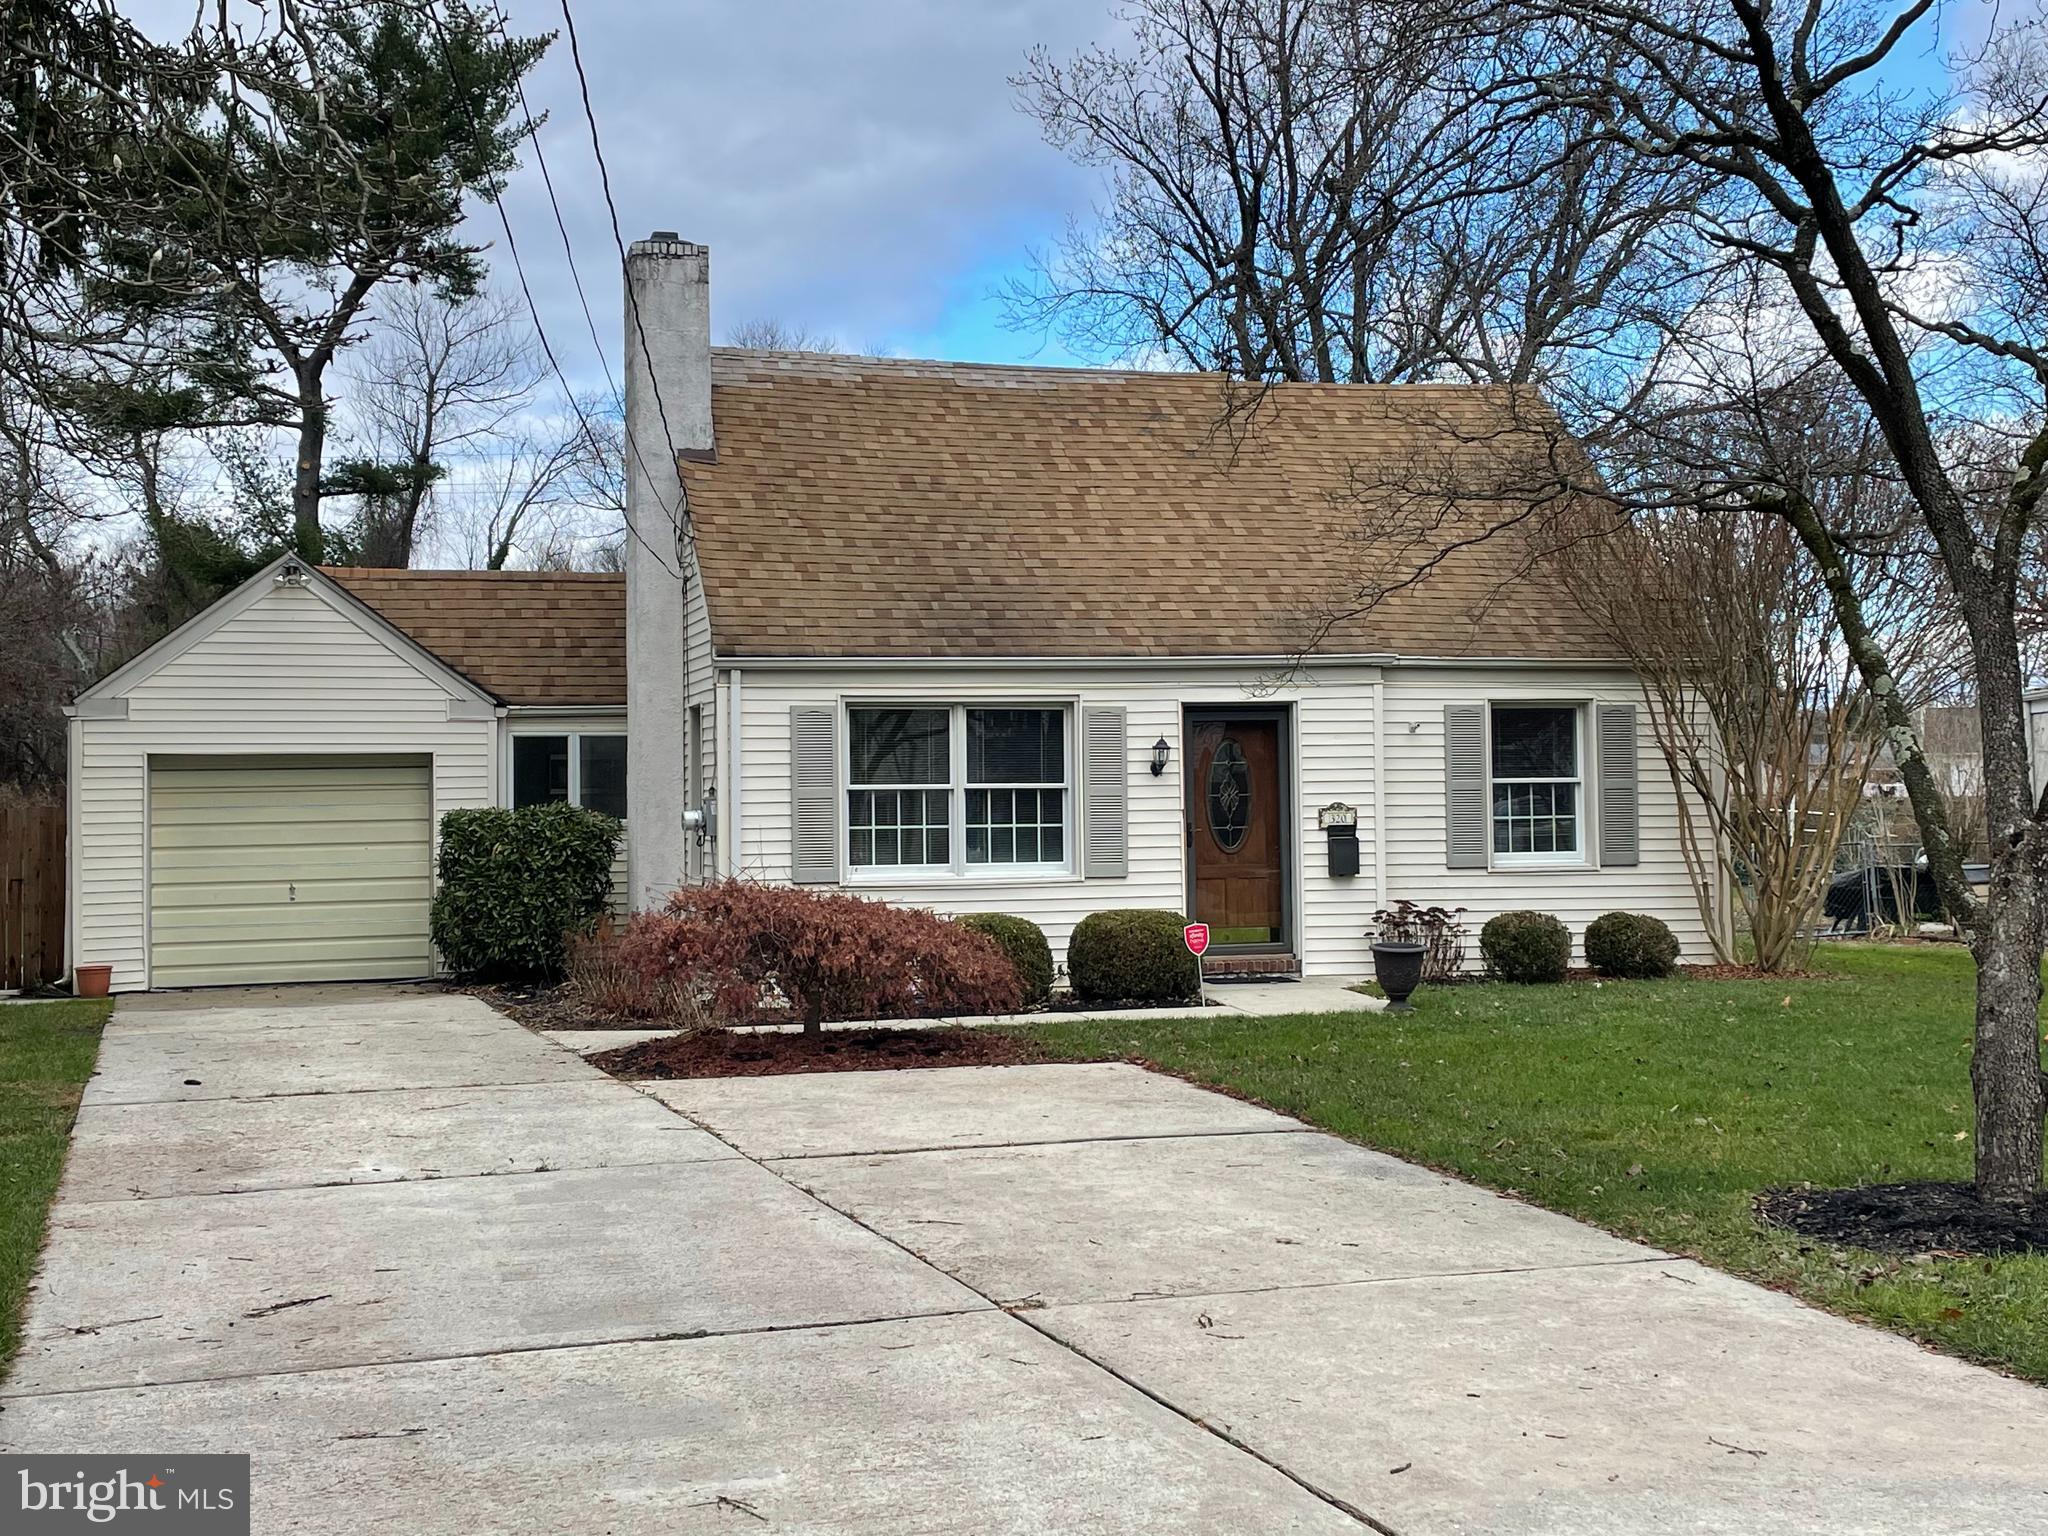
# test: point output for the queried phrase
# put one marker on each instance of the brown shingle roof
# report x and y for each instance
(869, 507)
(529, 637)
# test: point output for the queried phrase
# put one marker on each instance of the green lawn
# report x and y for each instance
(46, 1054)
(1658, 1109)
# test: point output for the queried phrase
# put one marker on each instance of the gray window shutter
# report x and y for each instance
(1620, 806)
(1465, 786)
(814, 794)
(1106, 794)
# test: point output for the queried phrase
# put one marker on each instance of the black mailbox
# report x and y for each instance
(1343, 850)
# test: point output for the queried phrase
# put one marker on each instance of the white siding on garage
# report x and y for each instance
(293, 672)
(1332, 715)
(1657, 884)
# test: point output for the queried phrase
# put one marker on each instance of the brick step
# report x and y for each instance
(1215, 966)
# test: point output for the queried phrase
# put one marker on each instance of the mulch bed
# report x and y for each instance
(1581, 973)
(1747, 973)
(557, 1006)
(726, 1053)
(545, 1007)
(1908, 1218)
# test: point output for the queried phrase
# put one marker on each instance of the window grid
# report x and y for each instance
(897, 828)
(1016, 826)
(1536, 816)
(961, 824)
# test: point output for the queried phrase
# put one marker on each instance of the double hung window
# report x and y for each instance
(958, 789)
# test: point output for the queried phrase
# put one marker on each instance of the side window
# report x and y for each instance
(585, 770)
(540, 770)
(1017, 786)
(602, 778)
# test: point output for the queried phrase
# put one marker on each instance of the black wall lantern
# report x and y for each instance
(1159, 754)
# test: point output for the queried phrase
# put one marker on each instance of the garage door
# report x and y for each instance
(283, 870)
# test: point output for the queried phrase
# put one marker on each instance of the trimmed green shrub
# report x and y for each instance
(1630, 944)
(515, 884)
(1132, 955)
(1526, 947)
(1024, 942)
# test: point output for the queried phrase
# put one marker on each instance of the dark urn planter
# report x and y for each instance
(1398, 970)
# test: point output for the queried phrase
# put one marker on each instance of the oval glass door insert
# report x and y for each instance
(1230, 795)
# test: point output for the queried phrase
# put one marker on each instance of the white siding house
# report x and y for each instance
(2037, 736)
(1028, 640)
(1048, 641)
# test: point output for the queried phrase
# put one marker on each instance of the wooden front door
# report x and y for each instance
(1236, 821)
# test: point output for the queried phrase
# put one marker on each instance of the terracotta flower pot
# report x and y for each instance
(92, 980)
(1398, 970)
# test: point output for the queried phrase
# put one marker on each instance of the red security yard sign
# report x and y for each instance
(1197, 936)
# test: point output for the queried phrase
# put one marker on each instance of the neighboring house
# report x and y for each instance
(254, 798)
(980, 639)
(1953, 742)
(2037, 736)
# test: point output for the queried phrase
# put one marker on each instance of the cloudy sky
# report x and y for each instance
(858, 168)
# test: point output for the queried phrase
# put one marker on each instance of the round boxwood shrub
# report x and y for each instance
(1024, 942)
(1526, 947)
(1132, 955)
(515, 884)
(1631, 944)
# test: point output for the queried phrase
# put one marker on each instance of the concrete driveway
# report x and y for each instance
(437, 1275)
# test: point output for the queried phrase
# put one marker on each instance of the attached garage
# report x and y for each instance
(256, 798)
(289, 869)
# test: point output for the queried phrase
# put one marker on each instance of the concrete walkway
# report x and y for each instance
(1265, 997)
(437, 1275)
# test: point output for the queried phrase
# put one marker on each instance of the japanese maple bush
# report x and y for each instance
(750, 950)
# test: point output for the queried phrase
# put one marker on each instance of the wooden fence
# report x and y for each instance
(31, 895)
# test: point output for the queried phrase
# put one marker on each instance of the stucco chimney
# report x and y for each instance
(668, 412)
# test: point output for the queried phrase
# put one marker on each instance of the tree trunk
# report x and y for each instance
(2005, 1067)
(409, 513)
(2006, 929)
(2006, 938)
(307, 538)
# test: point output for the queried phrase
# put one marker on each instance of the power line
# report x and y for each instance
(685, 535)
(525, 288)
(561, 225)
(628, 441)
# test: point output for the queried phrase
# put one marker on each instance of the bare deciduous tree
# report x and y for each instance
(1851, 194)
(466, 450)
(442, 382)
(521, 504)
(1294, 197)
(770, 335)
(1758, 711)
